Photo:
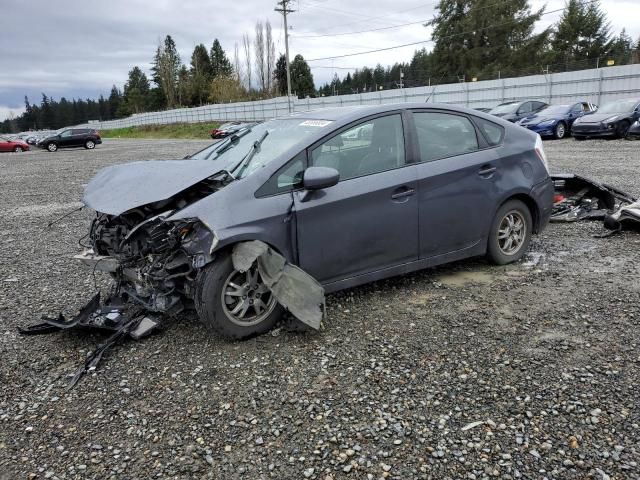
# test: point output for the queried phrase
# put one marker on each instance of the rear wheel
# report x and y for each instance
(52, 147)
(622, 129)
(235, 304)
(510, 233)
(18, 149)
(560, 131)
(89, 144)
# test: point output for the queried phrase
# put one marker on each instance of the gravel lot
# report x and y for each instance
(467, 371)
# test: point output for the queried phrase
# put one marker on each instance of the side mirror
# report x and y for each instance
(317, 178)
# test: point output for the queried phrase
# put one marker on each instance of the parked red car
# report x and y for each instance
(7, 145)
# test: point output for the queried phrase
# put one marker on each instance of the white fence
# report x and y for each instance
(597, 85)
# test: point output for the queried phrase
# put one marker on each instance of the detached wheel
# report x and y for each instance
(235, 304)
(560, 131)
(622, 129)
(510, 233)
(18, 149)
(52, 147)
(89, 144)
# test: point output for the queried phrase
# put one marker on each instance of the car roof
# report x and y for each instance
(339, 114)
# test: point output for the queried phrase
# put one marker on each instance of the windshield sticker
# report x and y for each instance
(315, 123)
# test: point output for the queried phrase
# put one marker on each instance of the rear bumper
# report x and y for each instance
(542, 193)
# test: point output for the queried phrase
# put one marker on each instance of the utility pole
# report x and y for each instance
(284, 10)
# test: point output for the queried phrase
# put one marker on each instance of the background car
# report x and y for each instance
(613, 120)
(70, 138)
(12, 145)
(514, 111)
(483, 109)
(432, 184)
(230, 128)
(556, 120)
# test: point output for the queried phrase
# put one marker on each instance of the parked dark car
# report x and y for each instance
(634, 131)
(15, 145)
(613, 119)
(556, 120)
(70, 138)
(227, 129)
(514, 111)
(431, 184)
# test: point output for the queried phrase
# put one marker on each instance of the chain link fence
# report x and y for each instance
(598, 86)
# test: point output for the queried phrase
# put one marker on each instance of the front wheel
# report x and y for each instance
(560, 131)
(235, 304)
(510, 233)
(52, 147)
(90, 145)
(622, 129)
(18, 149)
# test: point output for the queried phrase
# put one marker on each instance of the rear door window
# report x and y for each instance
(443, 135)
(492, 132)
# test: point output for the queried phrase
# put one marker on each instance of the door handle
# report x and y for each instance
(486, 170)
(402, 194)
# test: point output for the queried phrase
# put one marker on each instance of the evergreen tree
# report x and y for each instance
(166, 67)
(280, 75)
(581, 36)
(115, 99)
(220, 64)
(136, 91)
(200, 74)
(301, 77)
(184, 87)
(621, 49)
(483, 37)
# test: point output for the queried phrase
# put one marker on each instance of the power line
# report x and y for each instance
(361, 31)
(441, 38)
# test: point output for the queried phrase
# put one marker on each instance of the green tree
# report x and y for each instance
(223, 89)
(621, 49)
(165, 69)
(280, 75)
(200, 74)
(478, 38)
(220, 64)
(115, 99)
(136, 91)
(581, 36)
(301, 77)
(184, 87)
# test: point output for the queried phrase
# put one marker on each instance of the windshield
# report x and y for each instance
(554, 110)
(621, 106)
(282, 135)
(505, 108)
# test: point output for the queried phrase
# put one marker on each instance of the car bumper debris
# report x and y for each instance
(578, 198)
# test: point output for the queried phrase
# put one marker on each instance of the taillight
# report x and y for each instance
(540, 152)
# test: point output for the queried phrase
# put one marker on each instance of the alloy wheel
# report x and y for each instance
(90, 145)
(52, 147)
(560, 130)
(512, 233)
(246, 299)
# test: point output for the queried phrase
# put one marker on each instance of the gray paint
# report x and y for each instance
(356, 231)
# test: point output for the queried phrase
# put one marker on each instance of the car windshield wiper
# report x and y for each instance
(244, 163)
(230, 142)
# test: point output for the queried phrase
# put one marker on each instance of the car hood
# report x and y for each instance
(536, 119)
(119, 188)
(599, 117)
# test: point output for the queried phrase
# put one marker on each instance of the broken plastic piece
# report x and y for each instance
(294, 289)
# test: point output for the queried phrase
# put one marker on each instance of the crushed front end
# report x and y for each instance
(153, 261)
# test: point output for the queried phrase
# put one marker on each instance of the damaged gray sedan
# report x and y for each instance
(245, 227)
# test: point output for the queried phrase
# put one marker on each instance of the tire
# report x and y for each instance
(211, 283)
(498, 249)
(560, 131)
(18, 149)
(622, 129)
(52, 147)
(89, 144)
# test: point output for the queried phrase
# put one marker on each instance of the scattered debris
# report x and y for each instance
(578, 198)
(625, 214)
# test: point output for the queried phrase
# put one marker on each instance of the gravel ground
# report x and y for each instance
(466, 371)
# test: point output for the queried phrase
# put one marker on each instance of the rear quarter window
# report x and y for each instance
(493, 133)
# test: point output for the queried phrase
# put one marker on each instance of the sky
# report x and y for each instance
(79, 49)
